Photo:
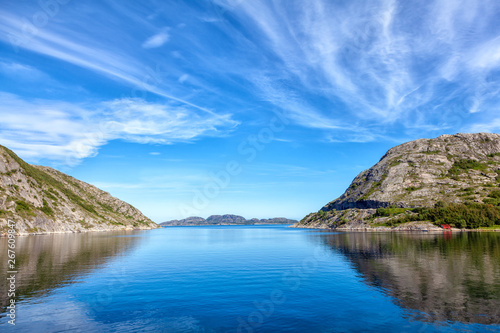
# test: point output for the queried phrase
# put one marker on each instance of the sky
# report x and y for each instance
(249, 107)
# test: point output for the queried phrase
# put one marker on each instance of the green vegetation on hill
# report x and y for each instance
(468, 215)
(452, 179)
(41, 199)
(390, 211)
(43, 178)
(24, 208)
(463, 165)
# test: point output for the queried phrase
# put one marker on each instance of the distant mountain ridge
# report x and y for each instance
(43, 200)
(227, 219)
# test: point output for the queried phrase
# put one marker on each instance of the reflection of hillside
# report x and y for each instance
(49, 261)
(454, 278)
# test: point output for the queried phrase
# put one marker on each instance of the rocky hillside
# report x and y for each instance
(41, 200)
(226, 219)
(448, 171)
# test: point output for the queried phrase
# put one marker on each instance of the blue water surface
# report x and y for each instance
(242, 279)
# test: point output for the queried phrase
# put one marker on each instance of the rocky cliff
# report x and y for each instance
(43, 200)
(227, 219)
(448, 170)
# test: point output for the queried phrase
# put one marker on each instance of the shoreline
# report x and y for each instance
(419, 228)
(72, 231)
(433, 229)
(221, 224)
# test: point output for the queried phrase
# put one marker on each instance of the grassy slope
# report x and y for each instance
(58, 190)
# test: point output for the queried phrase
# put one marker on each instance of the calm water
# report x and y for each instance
(255, 279)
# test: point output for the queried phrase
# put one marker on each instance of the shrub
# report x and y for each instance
(46, 208)
(321, 214)
(464, 165)
(470, 215)
(494, 194)
(440, 204)
(461, 224)
(381, 212)
(22, 206)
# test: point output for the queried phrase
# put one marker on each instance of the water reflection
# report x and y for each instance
(49, 261)
(435, 277)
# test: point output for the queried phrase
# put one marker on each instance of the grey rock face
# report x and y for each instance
(451, 168)
(43, 200)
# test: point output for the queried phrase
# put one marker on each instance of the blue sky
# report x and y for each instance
(257, 108)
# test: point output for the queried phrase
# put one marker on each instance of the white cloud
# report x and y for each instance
(377, 58)
(367, 68)
(487, 55)
(157, 40)
(14, 68)
(183, 78)
(489, 127)
(138, 121)
(46, 129)
(88, 54)
(70, 132)
(312, 40)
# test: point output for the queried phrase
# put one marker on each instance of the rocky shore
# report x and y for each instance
(452, 179)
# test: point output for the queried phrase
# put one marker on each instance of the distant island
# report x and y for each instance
(43, 200)
(227, 219)
(420, 185)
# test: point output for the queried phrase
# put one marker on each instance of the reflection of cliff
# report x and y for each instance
(49, 261)
(437, 278)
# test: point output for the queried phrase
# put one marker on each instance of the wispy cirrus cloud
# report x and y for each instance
(386, 61)
(156, 40)
(491, 126)
(139, 121)
(68, 132)
(93, 55)
(353, 71)
(12, 69)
